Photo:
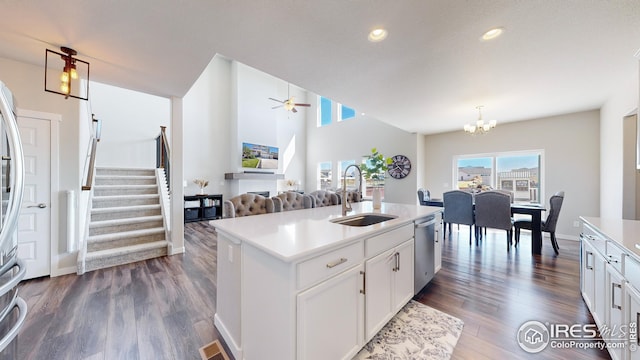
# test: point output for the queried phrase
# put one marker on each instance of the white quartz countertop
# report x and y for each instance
(624, 232)
(293, 235)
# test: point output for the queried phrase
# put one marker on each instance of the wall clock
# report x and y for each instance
(400, 166)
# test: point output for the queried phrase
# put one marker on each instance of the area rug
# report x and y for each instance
(416, 332)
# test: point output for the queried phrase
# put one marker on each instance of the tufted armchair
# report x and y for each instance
(291, 200)
(352, 196)
(247, 204)
(324, 198)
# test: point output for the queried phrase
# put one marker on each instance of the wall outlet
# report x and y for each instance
(576, 223)
(230, 253)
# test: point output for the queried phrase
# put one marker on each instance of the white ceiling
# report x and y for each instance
(556, 56)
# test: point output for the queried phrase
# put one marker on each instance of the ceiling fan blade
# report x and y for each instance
(302, 104)
(278, 106)
(294, 110)
(280, 101)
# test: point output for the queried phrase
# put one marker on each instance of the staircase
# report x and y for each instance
(126, 222)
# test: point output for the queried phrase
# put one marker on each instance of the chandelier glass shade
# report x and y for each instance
(480, 127)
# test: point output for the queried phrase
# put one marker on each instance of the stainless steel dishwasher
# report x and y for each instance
(425, 238)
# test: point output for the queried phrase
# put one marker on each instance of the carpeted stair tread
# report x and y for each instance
(125, 234)
(120, 176)
(124, 221)
(124, 208)
(126, 197)
(128, 251)
(118, 186)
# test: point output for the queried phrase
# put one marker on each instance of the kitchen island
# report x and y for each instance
(610, 280)
(295, 285)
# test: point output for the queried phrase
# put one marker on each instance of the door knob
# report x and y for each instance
(41, 206)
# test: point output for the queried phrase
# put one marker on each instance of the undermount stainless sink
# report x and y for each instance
(363, 219)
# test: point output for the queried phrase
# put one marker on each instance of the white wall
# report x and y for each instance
(229, 105)
(207, 122)
(571, 145)
(131, 121)
(26, 83)
(352, 140)
(623, 102)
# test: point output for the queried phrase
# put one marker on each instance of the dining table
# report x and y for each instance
(534, 210)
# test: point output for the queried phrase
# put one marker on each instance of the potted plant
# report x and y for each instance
(374, 169)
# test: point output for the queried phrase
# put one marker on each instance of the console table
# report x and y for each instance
(209, 207)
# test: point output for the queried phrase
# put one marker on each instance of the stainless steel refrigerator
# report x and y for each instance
(13, 309)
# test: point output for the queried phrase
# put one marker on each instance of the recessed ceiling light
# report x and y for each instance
(378, 34)
(492, 33)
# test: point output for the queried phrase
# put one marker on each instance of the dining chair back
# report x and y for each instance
(423, 196)
(493, 210)
(548, 225)
(458, 209)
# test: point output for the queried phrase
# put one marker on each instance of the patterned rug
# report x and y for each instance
(416, 332)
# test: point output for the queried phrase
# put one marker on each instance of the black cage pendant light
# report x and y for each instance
(66, 75)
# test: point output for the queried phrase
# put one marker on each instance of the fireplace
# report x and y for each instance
(262, 193)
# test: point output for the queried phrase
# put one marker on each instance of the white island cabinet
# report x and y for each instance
(610, 281)
(294, 285)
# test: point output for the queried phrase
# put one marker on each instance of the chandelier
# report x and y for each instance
(480, 126)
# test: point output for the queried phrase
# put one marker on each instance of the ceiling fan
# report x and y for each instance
(289, 104)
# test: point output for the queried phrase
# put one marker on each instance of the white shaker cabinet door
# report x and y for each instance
(379, 297)
(330, 317)
(403, 276)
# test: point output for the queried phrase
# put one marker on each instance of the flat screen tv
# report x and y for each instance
(256, 156)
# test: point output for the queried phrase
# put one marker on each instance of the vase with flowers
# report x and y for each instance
(374, 169)
(202, 183)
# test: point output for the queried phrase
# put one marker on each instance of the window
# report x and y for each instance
(521, 174)
(346, 113)
(475, 172)
(518, 172)
(369, 184)
(324, 175)
(327, 115)
(352, 182)
(325, 111)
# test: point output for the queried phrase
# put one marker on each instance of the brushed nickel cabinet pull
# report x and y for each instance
(586, 263)
(613, 296)
(336, 263)
(364, 283)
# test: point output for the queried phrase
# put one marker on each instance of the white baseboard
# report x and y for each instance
(175, 251)
(64, 271)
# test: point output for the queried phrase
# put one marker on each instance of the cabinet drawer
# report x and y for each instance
(632, 272)
(329, 264)
(614, 256)
(595, 239)
(388, 240)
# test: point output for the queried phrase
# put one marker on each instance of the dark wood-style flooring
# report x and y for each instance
(163, 308)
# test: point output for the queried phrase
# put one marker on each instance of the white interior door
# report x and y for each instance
(34, 225)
